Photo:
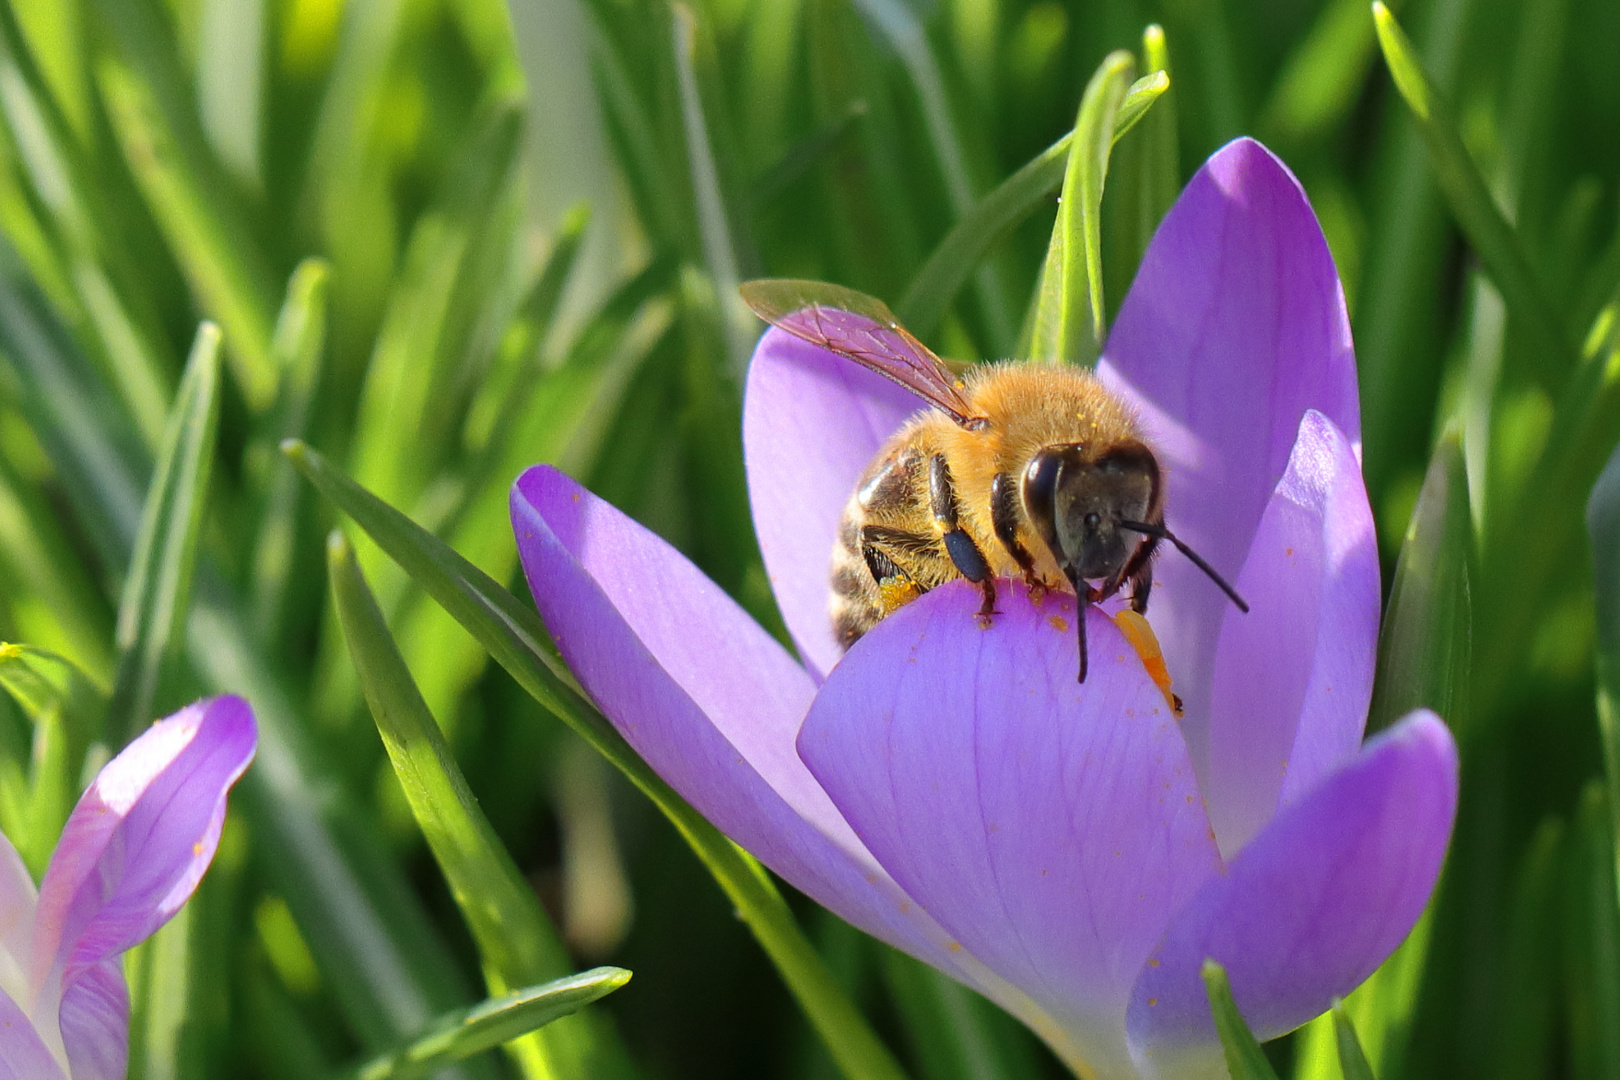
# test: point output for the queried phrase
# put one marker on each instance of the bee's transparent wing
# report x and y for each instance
(864, 330)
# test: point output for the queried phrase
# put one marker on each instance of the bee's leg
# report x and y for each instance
(1138, 571)
(965, 554)
(1004, 516)
(882, 548)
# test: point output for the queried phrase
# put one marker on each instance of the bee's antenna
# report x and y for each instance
(1159, 532)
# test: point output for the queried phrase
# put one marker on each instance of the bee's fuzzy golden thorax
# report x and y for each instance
(1029, 407)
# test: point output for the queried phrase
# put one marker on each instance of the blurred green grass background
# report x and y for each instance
(527, 228)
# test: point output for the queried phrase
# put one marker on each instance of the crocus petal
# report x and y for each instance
(23, 1055)
(1293, 677)
(1234, 326)
(140, 837)
(1314, 903)
(812, 422)
(701, 692)
(95, 1021)
(17, 899)
(1051, 827)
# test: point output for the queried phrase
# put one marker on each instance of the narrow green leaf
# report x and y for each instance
(901, 25)
(230, 82)
(1521, 1038)
(200, 216)
(1324, 75)
(953, 1032)
(466, 1032)
(67, 710)
(995, 215)
(1425, 640)
(297, 350)
(158, 586)
(737, 324)
(1070, 321)
(516, 639)
(1545, 518)
(1352, 1061)
(1492, 237)
(517, 942)
(1591, 950)
(1244, 1058)
(388, 969)
(1603, 529)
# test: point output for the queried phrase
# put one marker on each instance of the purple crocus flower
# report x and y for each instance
(1071, 851)
(131, 854)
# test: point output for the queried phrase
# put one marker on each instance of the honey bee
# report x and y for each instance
(1020, 469)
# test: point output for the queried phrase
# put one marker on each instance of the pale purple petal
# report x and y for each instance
(1234, 326)
(17, 900)
(1293, 677)
(1315, 902)
(23, 1054)
(812, 422)
(141, 836)
(1051, 827)
(705, 696)
(95, 1021)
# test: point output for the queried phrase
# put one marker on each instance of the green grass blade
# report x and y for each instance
(737, 325)
(156, 591)
(1070, 320)
(230, 81)
(954, 1034)
(1591, 951)
(1323, 77)
(995, 215)
(68, 711)
(517, 941)
(1521, 1038)
(1426, 637)
(1352, 1060)
(298, 349)
(1470, 198)
(1603, 529)
(1244, 1058)
(469, 1031)
(388, 969)
(200, 216)
(514, 636)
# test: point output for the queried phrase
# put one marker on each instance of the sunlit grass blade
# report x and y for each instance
(902, 26)
(517, 942)
(1147, 170)
(1426, 636)
(514, 636)
(488, 1024)
(737, 325)
(202, 221)
(298, 349)
(1545, 519)
(389, 972)
(67, 711)
(152, 613)
(1591, 952)
(1482, 221)
(953, 1033)
(994, 216)
(1323, 76)
(54, 602)
(230, 79)
(1244, 1058)
(1070, 320)
(1603, 529)
(77, 228)
(1352, 1060)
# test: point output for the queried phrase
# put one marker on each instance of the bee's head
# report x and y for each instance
(1076, 502)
